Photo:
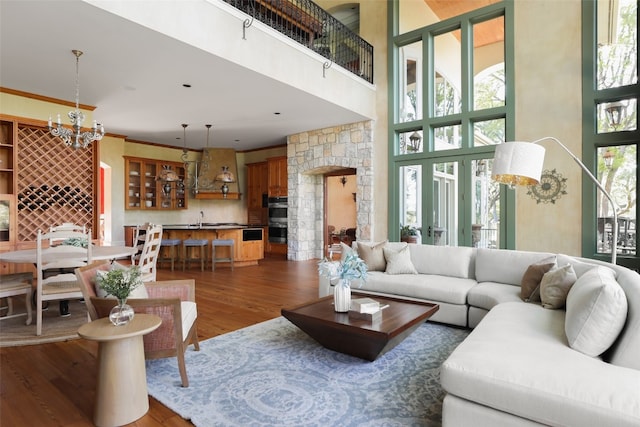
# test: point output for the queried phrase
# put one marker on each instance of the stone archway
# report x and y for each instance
(311, 155)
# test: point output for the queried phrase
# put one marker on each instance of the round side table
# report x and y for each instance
(121, 395)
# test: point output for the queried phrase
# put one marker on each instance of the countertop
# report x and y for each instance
(209, 226)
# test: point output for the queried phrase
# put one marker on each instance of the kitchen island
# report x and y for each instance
(248, 240)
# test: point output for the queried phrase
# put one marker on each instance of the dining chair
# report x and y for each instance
(53, 279)
(65, 226)
(150, 251)
(172, 300)
(138, 240)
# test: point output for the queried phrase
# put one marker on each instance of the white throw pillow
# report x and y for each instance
(596, 312)
(399, 262)
(555, 286)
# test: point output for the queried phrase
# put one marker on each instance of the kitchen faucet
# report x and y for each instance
(200, 219)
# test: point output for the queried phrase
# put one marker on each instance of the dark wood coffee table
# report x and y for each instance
(356, 337)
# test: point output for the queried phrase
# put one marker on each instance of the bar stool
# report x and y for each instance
(221, 242)
(194, 243)
(172, 249)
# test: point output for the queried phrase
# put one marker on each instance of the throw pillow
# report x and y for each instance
(139, 292)
(399, 262)
(555, 286)
(529, 286)
(596, 312)
(372, 255)
(346, 250)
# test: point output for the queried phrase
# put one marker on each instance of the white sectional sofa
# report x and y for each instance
(524, 364)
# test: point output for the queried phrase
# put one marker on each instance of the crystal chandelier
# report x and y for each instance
(75, 137)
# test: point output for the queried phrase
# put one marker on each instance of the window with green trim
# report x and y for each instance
(610, 130)
(449, 106)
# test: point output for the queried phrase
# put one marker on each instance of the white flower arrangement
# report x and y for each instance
(353, 267)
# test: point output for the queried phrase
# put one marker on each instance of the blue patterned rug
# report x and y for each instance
(273, 374)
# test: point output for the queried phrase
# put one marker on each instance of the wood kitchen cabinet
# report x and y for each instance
(277, 176)
(257, 191)
(143, 191)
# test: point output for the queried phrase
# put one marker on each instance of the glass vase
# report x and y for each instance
(121, 314)
(342, 296)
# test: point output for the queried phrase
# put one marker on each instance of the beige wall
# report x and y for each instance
(549, 103)
(341, 208)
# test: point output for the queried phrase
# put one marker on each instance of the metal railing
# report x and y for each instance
(310, 25)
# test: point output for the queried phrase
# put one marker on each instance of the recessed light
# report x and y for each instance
(277, 113)
(186, 85)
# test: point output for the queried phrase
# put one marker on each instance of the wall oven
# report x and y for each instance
(277, 219)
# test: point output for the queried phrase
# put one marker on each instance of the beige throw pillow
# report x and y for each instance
(596, 312)
(399, 262)
(346, 250)
(372, 255)
(529, 286)
(555, 286)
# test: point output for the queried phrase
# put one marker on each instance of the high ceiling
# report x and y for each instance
(135, 77)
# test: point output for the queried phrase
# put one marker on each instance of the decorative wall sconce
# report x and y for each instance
(415, 141)
(615, 112)
(343, 181)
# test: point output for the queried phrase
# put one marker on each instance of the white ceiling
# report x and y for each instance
(135, 77)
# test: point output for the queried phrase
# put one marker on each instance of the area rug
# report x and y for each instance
(273, 374)
(13, 332)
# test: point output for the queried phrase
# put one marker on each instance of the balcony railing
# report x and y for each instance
(310, 25)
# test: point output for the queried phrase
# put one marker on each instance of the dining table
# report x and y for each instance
(28, 256)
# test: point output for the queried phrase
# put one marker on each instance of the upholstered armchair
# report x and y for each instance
(172, 300)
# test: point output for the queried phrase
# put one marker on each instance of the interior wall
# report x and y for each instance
(341, 206)
(313, 154)
(548, 67)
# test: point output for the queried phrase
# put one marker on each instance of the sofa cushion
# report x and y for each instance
(454, 261)
(517, 360)
(488, 294)
(505, 266)
(423, 286)
(372, 255)
(579, 266)
(533, 276)
(596, 311)
(555, 286)
(398, 261)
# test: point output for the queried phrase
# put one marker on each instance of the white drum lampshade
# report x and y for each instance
(518, 163)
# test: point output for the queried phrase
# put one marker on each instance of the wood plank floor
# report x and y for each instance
(54, 384)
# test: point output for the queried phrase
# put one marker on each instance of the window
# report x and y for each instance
(450, 108)
(610, 137)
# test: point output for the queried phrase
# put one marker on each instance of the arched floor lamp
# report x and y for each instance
(520, 163)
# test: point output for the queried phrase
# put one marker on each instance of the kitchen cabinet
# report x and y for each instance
(143, 191)
(277, 176)
(257, 191)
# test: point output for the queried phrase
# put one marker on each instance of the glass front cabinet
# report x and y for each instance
(145, 190)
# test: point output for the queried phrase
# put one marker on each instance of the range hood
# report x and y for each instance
(214, 161)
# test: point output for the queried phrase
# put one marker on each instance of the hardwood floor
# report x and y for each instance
(54, 384)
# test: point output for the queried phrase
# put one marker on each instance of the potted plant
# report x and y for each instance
(119, 282)
(342, 273)
(409, 233)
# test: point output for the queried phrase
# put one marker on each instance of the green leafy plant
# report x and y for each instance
(119, 282)
(409, 230)
(353, 267)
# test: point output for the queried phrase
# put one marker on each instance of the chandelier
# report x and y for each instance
(75, 137)
(196, 177)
